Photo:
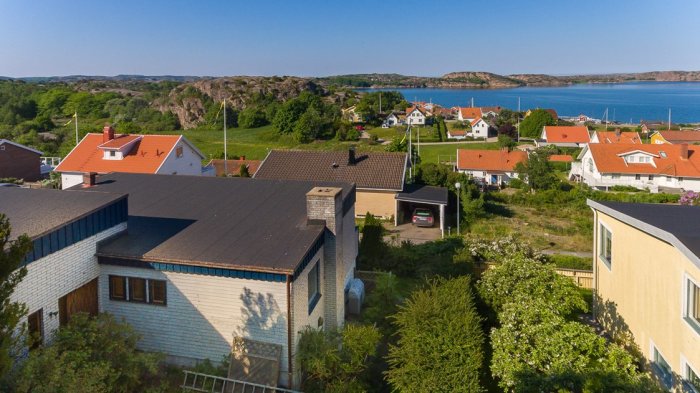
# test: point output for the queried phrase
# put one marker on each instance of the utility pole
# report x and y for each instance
(518, 120)
(380, 102)
(410, 153)
(225, 142)
(76, 127)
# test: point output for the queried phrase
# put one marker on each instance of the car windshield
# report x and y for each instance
(425, 213)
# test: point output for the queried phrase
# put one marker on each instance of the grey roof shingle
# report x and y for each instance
(372, 170)
(235, 223)
(39, 211)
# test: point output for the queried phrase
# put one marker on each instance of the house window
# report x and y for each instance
(137, 290)
(630, 159)
(156, 292)
(605, 245)
(680, 179)
(616, 176)
(637, 177)
(117, 288)
(691, 380)
(112, 153)
(668, 179)
(651, 177)
(35, 327)
(178, 151)
(692, 310)
(661, 368)
(314, 279)
(141, 290)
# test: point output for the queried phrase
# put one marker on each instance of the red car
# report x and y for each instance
(359, 128)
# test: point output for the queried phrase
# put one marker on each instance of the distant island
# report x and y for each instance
(452, 80)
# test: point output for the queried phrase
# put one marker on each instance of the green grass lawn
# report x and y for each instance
(254, 143)
(430, 153)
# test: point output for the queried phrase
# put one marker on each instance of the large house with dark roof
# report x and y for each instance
(109, 152)
(199, 265)
(378, 176)
(647, 284)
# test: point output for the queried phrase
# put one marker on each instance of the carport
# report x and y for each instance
(414, 196)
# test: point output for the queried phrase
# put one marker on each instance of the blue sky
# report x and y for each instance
(316, 38)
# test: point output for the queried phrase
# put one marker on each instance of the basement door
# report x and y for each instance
(83, 299)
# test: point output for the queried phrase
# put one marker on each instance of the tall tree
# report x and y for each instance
(531, 126)
(12, 253)
(440, 344)
(538, 170)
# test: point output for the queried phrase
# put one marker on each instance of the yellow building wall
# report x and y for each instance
(379, 203)
(646, 286)
(657, 139)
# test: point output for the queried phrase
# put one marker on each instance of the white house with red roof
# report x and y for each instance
(564, 136)
(650, 166)
(481, 128)
(493, 167)
(468, 114)
(109, 152)
(415, 115)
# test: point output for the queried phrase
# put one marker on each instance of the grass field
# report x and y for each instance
(254, 143)
(430, 153)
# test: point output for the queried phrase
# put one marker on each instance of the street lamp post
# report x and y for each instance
(457, 186)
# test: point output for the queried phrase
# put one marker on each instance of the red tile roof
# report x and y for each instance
(609, 158)
(475, 121)
(146, 156)
(688, 136)
(567, 134)
(561, 158)
(489, 160)
(615, 137)
(457, 132)
(119, 141)
(470, 113)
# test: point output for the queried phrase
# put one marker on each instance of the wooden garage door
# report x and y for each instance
(83, 299)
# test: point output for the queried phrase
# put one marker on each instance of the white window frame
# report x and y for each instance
(655, 368)
(607, 263)
(687, 278)
(685, 365)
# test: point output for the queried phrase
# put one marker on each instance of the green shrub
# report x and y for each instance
(571, 262)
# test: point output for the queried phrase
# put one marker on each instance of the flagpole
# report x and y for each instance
(225, 143)
(76, 127)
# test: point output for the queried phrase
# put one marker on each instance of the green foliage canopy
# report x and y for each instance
(531, 126)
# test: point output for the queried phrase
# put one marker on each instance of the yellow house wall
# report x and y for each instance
(379, 203)
(657, 139)
(646, 283)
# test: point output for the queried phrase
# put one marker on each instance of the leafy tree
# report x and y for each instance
(252, 117)
(531, 126)
(89, 355)
(508, 129)
(472, 202)
(12, 253)
(287, 115)
(382, 302)
(505, 141)
(520, 278)
(507, 116)
(334, 361)
(440, 344)
(433, 174)
(368, 105)
(372, 247)
(538, 170)
(308, 127)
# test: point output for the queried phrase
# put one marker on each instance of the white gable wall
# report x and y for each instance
(189, 164)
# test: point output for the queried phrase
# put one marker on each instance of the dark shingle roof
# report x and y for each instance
(421, 193)
(674, 220)
(235, 223)
(384, 171)
(37, 212)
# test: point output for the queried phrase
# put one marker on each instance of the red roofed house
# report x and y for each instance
(561, 158)
(564, 136)
(456, 134)
(494, 167)
(415, 115)
(675, 137)
(649, 166)
(109, 152)
(616, 137)
(468, 114)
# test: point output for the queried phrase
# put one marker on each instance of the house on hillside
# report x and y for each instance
(481, 129)
(616, 137)
(468, 114)
(647, 284)
(394, 120)
(564, 136)
(456, 134)
(233, 167)
(490, 111)
(415, 116)
(109, 152)
(19, 161)
(378, 176)
(197, 265)
(493, 167)
(675, 137)
(656, 167)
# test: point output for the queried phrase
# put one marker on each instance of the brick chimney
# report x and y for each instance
(684, 151)
(107, 133)
(89, 179)
(351, 156)
(326, 204)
